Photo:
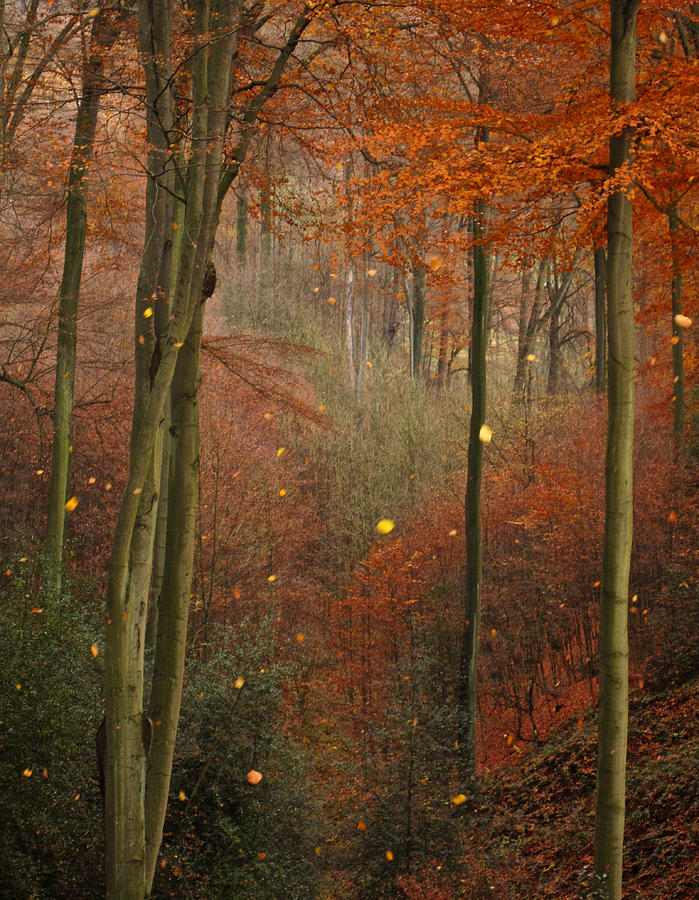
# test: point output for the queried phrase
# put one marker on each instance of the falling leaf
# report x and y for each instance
(369, 365)
(94, 649)
(236, 593)
(239, 682)
(267, 416)
(19, 687)
(332, 300)
(272, 578)
(254, 777)
(148, 312)
(280, 451)
(71, 504)
(389, 855)
(371, 272)
(682, 321)
(634, 599)
(415, 723)
(178, 344)
(493, 632)
(384, 526)
(300, 638)
(23, 559)
(674, 340)
(36, 610)
(141, 339)
(433, 261)
(580, 721)
(39, 471)
(315, 267)
(91, 479)
(596, 584)
(321, 407)
(282, 493)
(108, 486)
(458, 800)
(361, 826)
(182, 796)
(45, 773)
(530, 357)
(262, 855)
(672, 517)
(27, 773)
(485, 434)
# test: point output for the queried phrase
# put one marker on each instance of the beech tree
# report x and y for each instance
(618, 521)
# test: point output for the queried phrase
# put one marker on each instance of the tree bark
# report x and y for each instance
(618, 527)
(417, 320)
(467, 693)
(105, 30)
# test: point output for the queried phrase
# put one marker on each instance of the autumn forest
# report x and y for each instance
(349, 449)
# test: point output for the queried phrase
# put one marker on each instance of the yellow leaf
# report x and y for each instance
(91, 479)
(108, 486)
(384, 526)
(282, 493)
(371, 273)
(19, 687)
(453, 532)
(23, 559)
(332, 300)
(179, 344)
(485, 434)
(493, 632)
(458, 800)
(682, 321)
(239, 682)
(27, 773)
(254, 777)
(71, 504)
(94, 649)
(36, 610)
(530, 357)
(182, 796)
(280, 451)
(389, 855)
(148, 312)
(272, 578)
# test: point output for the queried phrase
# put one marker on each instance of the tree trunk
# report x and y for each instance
(677, 330)
(600, 320)
(467, 693)
(417, 320)
(105, 31)
(618, 526)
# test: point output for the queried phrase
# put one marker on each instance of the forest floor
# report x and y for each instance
(532, 828)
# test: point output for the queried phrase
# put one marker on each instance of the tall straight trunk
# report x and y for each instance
(265, 277)
(467, 692)
(105, 31)
(677, 330)
(350, 329)
(417, 320)
(600, 320)
(618, 526)
(241, 228)
(443, 353)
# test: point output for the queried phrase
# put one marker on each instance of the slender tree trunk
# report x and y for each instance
(553, 384)
(443, 356)
(350, 329)
(467, 694)
(677, 330)
(241, 228)
(265, 274)
(600, 320)
(618, 527)
(105, 31)
(417, 320)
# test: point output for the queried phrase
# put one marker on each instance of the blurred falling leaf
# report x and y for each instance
(672, 517)
(148, 312)
(371, 272)
(280, 451)
(361, 826)
(27, 773)
(682, 321)
(272, 578)
(485, 434)
(332, 301)
(182, 796)
(71, 504)
(458, 800)
(510, 738)
(530, 357)
(282, 493)
(384, 526)
(236, 593)
(389, 855)
(239, 682)
(91, 479)
(300, 638)
(254, 777)
(94, 649)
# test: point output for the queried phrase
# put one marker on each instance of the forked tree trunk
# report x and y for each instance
(618, 525)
